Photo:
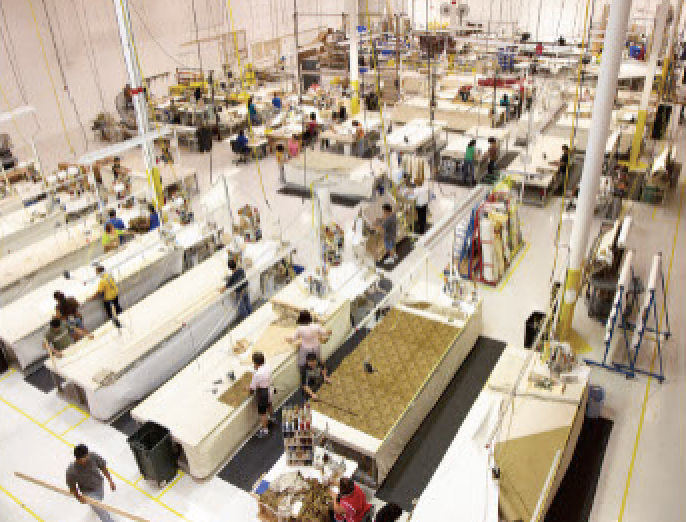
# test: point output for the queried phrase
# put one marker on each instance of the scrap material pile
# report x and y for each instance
(277, 503)
(403, 350)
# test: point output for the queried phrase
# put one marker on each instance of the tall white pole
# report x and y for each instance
(121, 9)
(354, 67)
(613, 48)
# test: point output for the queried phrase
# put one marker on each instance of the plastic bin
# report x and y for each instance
(152, 447)
(533, 325)
(594, 405)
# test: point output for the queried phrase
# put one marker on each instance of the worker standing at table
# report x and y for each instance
(111, 238)
(252, 112)
(85, 478)
(59, 337)
(359, 138)
(109, 291)
(239, 283)
(116, 222)
(154, 217)
(350, 504)
(563, 162)
(310, 334)
(505, 102)
(261, 385)
(469, 155)
(281, 161)
(293, 147)
(276, 102)
(313, 377)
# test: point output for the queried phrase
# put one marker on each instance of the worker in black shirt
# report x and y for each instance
(238, 282)
(563, 162)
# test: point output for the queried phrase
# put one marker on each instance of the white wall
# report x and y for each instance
(171, 23)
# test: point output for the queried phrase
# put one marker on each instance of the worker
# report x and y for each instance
(111, 239)
(313, 126)
(85, 479)
(359, 138)
(242, 141)
(67, 309)
(313, 377)
(422, 204)
(281, 162)
(350, 504)
(293, 147)
(117, 168)
(252, 112)
(276, 102)
(154, 217)
(58, 337)
(310, 334)
(563, 162)
(238, 282)
(469, 157)
(391, 512)
(261, 385)
(116, 222)
(110, 294)
(492, 155)
(505, 102)
(388, 225)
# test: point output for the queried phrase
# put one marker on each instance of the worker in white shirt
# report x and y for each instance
(422, 203)
(261, 385)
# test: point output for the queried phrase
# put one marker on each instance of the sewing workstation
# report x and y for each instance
(362, 261)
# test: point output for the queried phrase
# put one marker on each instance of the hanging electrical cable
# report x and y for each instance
(11, 55)
(63, 74)
(59, 30)
(90, 51)
(141, 19)
(52, 81)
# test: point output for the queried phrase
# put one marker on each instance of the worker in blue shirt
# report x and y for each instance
(252, 112)
(154, 217)
(242, 140)
(117, 223)
(276, 102)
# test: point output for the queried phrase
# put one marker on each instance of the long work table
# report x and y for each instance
(213, 414)
(160, 334)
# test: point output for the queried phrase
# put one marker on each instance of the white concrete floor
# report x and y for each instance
(37, 431)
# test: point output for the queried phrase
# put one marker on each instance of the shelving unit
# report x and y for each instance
(298, 438)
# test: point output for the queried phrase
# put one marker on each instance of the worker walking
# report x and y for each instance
(388, 226)
(310, 335)
(492, 155)
(350, 504)
(261, 386)
(85, 478)
(281, 162)
(469, 155)
(108, 289)
(239, 283)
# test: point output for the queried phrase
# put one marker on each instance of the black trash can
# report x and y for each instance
(152, 447)
(533, 325)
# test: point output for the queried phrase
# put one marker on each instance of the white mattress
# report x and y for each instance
(151, 321)
(32, 311)
(63, 242)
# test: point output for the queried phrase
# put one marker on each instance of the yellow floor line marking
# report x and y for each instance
(65, 441)
(171, 484)
(78, 408)
(10, 372)
(138, 480)
(56, 415)
(21, 504)
(652, 364)
(654, 211)
(514, 268)
(76, 425)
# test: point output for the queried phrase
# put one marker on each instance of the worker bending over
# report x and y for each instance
(60, 336)
(67, 309)
(261, 386)
(109, 291)
(85, 479)
(310, 335)
(350, 504)
(239, 283)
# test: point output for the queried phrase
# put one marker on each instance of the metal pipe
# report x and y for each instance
(593, 161)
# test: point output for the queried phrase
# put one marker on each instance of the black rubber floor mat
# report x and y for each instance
(43, 379)
(125, 424)
(402, 250)
(335, 199)
(257, 456)
(574, 498)
(422, 455)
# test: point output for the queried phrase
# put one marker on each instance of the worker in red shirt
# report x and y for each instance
(539, 49)
(350, 505)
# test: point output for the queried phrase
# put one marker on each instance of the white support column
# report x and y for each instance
(615, 38)
(121, 9)
(354, 68)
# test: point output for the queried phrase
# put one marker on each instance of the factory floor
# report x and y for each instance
(642, 477)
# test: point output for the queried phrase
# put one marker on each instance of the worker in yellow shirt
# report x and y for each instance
(109, 290)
